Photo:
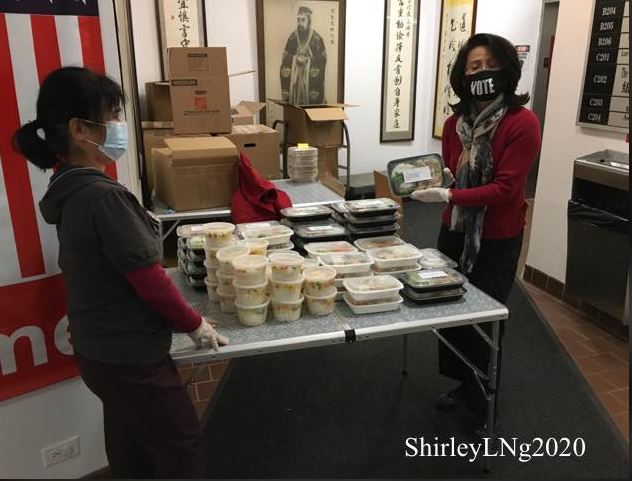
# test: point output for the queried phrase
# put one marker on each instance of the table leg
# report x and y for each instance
(405, 356)
(493, 384)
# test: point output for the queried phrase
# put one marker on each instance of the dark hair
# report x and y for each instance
(507, 57)
(66, 93)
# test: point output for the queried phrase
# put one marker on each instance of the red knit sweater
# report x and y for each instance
(514, 146)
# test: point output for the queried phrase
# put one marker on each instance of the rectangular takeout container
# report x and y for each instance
(372, 231)
(434, 297)
(397, 256)
(274, 234)
(371, 207)
(379, 242)
(304, 214)
(316, 249)
(413, 173)
(349, 263)
(362, 308)
(369, 288)
(329, 231)
(433, 280)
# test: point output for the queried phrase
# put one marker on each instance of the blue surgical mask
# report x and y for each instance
(116, 137)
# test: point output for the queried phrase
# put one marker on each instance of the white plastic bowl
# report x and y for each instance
(211, 289)
(252, 316)
(251, 295)
(226, 301)
(287, 311)
(226, 255)
(286, 267)
(322, 305)
(287, 291)
(319, 280)
(250, 270)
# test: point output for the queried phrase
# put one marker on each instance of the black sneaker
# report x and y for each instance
(448, 401)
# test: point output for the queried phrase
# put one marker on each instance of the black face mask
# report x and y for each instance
(485, 85)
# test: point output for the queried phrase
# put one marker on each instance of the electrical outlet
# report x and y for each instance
(61, 451)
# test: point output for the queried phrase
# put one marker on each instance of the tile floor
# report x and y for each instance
(602, 358)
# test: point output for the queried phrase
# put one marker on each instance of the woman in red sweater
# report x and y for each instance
(488, 145)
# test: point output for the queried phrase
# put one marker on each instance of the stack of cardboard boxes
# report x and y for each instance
(193, 138)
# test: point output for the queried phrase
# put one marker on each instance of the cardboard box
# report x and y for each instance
(244, 113)
(154, 135)
(317, 125)
(196, 173)
(158, 101)
(200, 96)
(328, 162)
(261, 144)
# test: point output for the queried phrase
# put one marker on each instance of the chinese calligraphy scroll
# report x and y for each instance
(182, 24)
(399, 70)
(458, 18)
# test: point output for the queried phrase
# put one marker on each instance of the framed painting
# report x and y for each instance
(458, 20)
(301, 53)
(181, 23)
(399, 70)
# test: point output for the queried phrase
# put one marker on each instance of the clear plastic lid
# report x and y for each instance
(281, 247)
(434, 278)
(372, 284)
(250, 262)
(435, 259)
(396, 270)
(371, 206)
(319, 274)
(319, 248)
(241, 228)
(286, 259)
(189, 230)
(319, 231)
(396, 253)
(348, 259)
(227, 254)
(266, 232)
(217, 229)
(378, 242)
(298, 213)
(421, 172)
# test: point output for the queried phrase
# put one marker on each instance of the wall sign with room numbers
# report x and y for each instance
(605, 101)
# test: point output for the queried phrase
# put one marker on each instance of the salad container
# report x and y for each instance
(362, 289)
(319, 281)
(252, 316)
(286, 266)
(285, 311)
(396, 256)
(251, 295)
(322, 305)
(218, 234)
(353, 262)
(287, 291)
(316, 249)
(371, 243)
(420, 172)
(226, 255)
(250, 270)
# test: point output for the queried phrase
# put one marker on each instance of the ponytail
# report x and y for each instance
(27, 141)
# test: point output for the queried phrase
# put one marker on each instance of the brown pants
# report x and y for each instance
(151, 428)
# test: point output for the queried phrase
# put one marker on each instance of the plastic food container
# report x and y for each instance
(316, 249)
(310, 262)
(211, 271)
(373, 287)
(420, 172)
(339, 207)
(324, 231)
(196, 255)
(193, 268)
(341, 277)
(251, 295)
(182, 255)
(365, 308)
(352, 262)
(287, 291)
(225, 281)
(435, 259)
(395, 270)
(304, 214)
(275, 235)
(218, 234)
(322, 305)
(258, 247)
(319, 281)
(250, 270)
(281, 247)
(211, 260)
(197, 282)
(182, 243)
(226, 255)
(397, 256)
(286, 266)
(371, 207)
(241, 228)
(372, 231)
(226, 301)
(211, 289)
(371, 221)
(434, 279)
(371, 243)
(287, 311)
(252, 316)
(190, 230)
(196, 242)
(432, 297)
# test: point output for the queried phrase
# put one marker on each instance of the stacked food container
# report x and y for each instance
(320, 290)
(369, 295)
(218, 235)
(312, 224)
(250, 285)
(368, 217)
(347, 266)
(433, 285)
(278, 236)
(287, 285)
(191, 255)
(302, 163)
(396, 259)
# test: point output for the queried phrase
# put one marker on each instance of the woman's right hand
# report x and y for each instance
(206, 332)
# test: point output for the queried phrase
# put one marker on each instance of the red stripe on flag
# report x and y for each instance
(46, 46)
(92, 50)
(16, 175)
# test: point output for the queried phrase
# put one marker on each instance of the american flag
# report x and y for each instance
(37, 37)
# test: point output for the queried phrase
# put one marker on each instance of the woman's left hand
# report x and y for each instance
(435, 194)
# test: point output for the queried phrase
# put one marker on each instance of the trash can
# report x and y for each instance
(598, 232)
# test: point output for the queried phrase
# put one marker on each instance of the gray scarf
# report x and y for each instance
(475, 168)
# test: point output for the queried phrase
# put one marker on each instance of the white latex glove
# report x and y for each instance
(449, 178)
(206, 332)
(435, 194)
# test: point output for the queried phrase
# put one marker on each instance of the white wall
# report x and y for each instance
(233, 24)
(563, 141)
(34, 421)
